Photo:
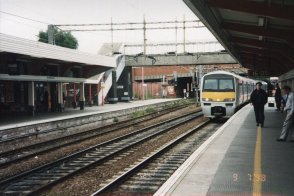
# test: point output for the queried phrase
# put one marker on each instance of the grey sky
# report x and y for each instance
(97, 11)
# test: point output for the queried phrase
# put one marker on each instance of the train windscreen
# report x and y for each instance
(218, 84)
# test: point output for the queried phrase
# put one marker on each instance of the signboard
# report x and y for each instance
(170, 90)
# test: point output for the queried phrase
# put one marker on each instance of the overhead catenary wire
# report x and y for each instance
(22, 23)
(126, 29)
(127, 23)
(130, 25)
(24, 17)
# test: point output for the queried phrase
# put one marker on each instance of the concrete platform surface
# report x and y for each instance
(239, 159)
(18, 121)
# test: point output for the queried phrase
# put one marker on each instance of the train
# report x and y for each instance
(222, 93)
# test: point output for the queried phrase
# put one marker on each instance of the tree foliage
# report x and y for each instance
(61, 38)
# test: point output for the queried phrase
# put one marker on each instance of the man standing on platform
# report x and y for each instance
(258, 99)
(289, 109)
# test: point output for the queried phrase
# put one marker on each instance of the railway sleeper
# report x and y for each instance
(148, 178)
(67, 170)
(167, 167)
(157, 171)
(137, 188)
(76, 165)
(174, 162)
(150, 182)
(42, 177)
(155, 175)
(15, 192)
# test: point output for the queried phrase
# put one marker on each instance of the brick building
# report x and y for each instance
(172, 81)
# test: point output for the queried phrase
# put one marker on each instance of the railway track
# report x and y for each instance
(24, 152)
(14, 139)
(32, 181)
(147, 176)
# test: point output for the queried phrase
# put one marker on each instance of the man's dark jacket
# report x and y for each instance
(258, 97)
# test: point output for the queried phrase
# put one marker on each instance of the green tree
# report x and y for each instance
(64, 39)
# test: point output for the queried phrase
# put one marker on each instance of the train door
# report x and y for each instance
(247, 91)
(237, 91)
(243, 91)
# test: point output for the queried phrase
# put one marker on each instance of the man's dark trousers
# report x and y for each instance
(259, 113)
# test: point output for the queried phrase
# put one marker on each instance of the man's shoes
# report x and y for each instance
(280, 140)
(261, 124)
(257, 124)
(291, 140)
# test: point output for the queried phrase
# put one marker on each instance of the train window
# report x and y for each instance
(210, 84)
(222, 84)
(226, 84)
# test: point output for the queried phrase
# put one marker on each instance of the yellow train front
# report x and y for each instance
(222, 93)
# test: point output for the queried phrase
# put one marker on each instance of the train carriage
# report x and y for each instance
(222, 93)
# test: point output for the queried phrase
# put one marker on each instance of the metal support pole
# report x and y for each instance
(111, 29)
(90, 95)
(97, 91)
(60, 97)
(184, 34)
(51, 39)
(67, 90)
(176, 37)
(144, 42)
(49, 96)
(102, 91)
(31, 98)
(196, 84)
(82, 96)
(74, 103)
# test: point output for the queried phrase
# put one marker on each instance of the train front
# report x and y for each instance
(218, 95)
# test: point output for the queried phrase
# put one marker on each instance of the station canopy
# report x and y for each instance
(258, 33)
(39, 54)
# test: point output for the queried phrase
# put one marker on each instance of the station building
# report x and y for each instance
(38, 77)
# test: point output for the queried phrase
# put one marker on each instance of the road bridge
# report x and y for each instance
(203, 58)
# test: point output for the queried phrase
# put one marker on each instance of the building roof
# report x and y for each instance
(258, 33)
(11, 44)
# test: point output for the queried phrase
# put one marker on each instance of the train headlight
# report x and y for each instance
(206, 99)
(229, 99)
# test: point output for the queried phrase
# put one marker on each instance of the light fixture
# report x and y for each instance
(54, 64)
(261, 21)
(24, 60)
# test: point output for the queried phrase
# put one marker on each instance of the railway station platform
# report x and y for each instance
(69, 113)
(239, 159)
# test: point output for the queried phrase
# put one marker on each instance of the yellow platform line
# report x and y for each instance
(257, 177)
